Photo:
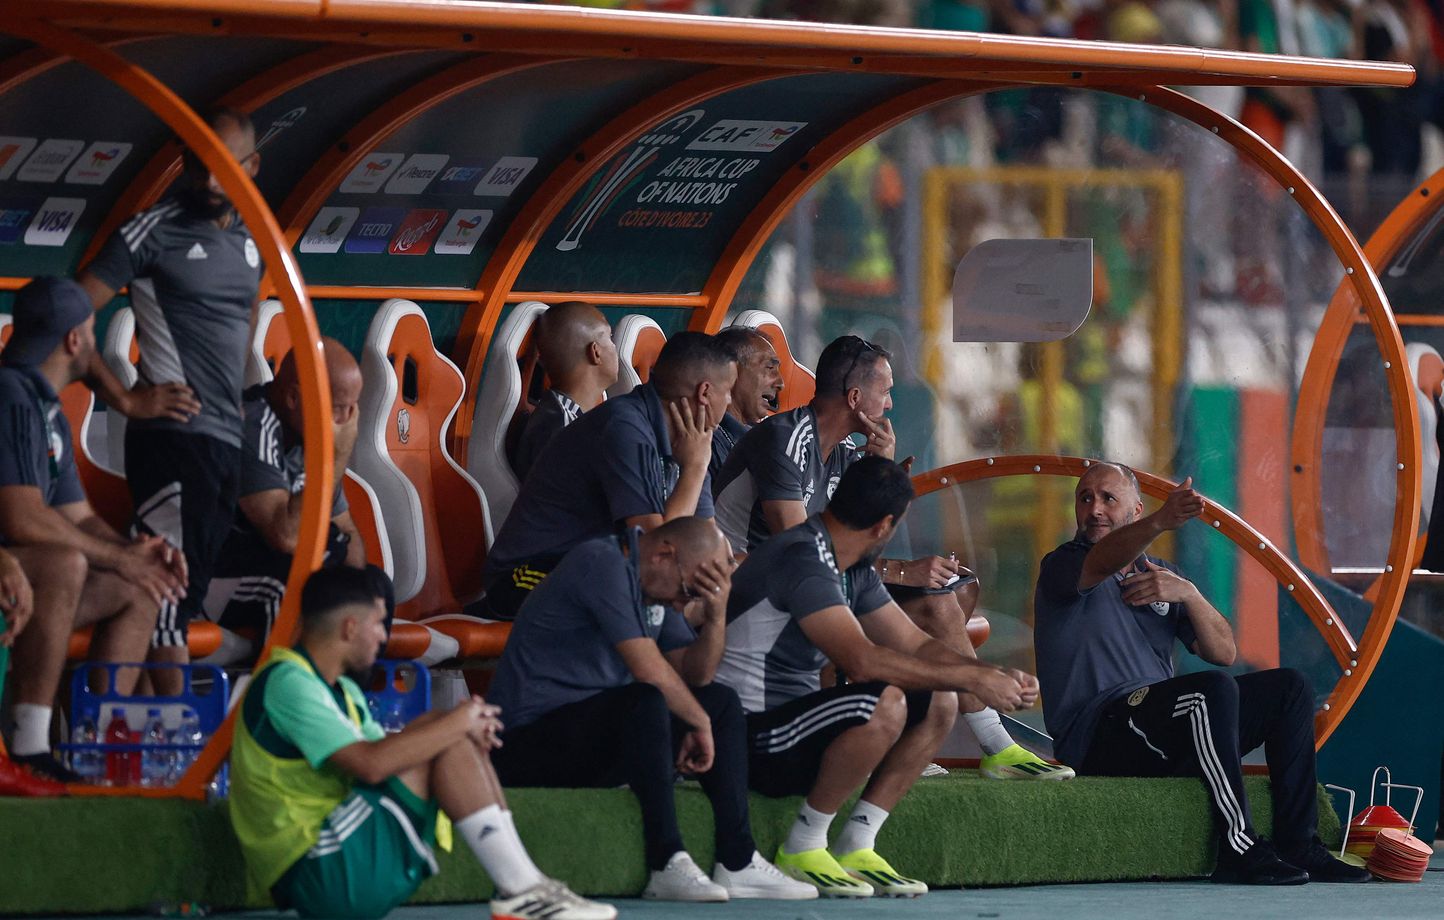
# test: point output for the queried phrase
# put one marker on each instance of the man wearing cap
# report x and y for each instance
(83, 573)
(194, 273)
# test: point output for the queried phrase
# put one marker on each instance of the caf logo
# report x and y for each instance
(403, 425)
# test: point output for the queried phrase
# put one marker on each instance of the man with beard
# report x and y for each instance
(1107, 616)
(83, 572)
(193, 272)
(808, 596)
(786, 469)
(754, 395)
(335, 817)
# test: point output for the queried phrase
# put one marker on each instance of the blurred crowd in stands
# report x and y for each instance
(1325, 131)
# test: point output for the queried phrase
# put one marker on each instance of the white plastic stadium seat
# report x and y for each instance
(639, 340)
(435, 513)
(1425, 364)
(261, 361)
(501, 392)
(120, 353)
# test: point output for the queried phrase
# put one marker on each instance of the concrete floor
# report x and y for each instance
(1128, 901)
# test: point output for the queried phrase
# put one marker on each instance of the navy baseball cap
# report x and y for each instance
(45, 310)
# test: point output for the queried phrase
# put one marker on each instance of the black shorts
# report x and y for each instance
(506, 592)
(249, 580)
(183, 487)
(786, 744)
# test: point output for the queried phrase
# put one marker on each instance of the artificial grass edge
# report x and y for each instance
(95, 855)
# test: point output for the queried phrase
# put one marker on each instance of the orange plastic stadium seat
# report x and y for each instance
(979, 629)
(501, 403)
(639, 340)
(204, 640)
(798, 382)
(105, 489)
(408, 641)
(434, 512)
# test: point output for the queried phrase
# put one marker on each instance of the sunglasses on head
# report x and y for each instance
(865, 348)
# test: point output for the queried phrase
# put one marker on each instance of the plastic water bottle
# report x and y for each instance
(189, 733)
(392, 720)
(86, 760)
(155, 757)
(120, 766)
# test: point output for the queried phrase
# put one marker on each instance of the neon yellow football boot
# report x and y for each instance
(867, 866)
(819, 868)
(1017, 762)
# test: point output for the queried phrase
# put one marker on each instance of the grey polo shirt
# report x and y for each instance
(35, 444)
(192, 287)
(273, 456)
(563, 648)
(1093, 648)
(613, 463)
(779, 459)
(769, 660)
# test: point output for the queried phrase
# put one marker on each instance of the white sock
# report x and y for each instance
(809, 831)
(992, 737)
(860, 831)
(32, 729)
(493, 839)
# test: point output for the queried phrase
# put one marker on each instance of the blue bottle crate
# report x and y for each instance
(206, 691)
(398, 691)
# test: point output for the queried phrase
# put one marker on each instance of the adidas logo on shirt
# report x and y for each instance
(196, 252)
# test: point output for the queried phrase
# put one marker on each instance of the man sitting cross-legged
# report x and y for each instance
(809, 595)
(603, 684)
(336, 818)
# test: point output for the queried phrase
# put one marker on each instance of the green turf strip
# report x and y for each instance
(108, 855)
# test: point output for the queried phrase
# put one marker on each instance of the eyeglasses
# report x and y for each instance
(865, 349)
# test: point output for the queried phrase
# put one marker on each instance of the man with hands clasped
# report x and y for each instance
(811, 595)
(1107, 617)
(605, 681)
(786, 468)
(335, 817)
(83, 572)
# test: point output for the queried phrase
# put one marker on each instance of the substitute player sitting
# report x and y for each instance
(336, 818)
(810, 595)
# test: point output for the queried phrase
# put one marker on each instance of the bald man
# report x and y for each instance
(1107, 619)
(246, 592)
(575, 344)
(604, 681)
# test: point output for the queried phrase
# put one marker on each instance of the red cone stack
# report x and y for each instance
(1399, 857)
